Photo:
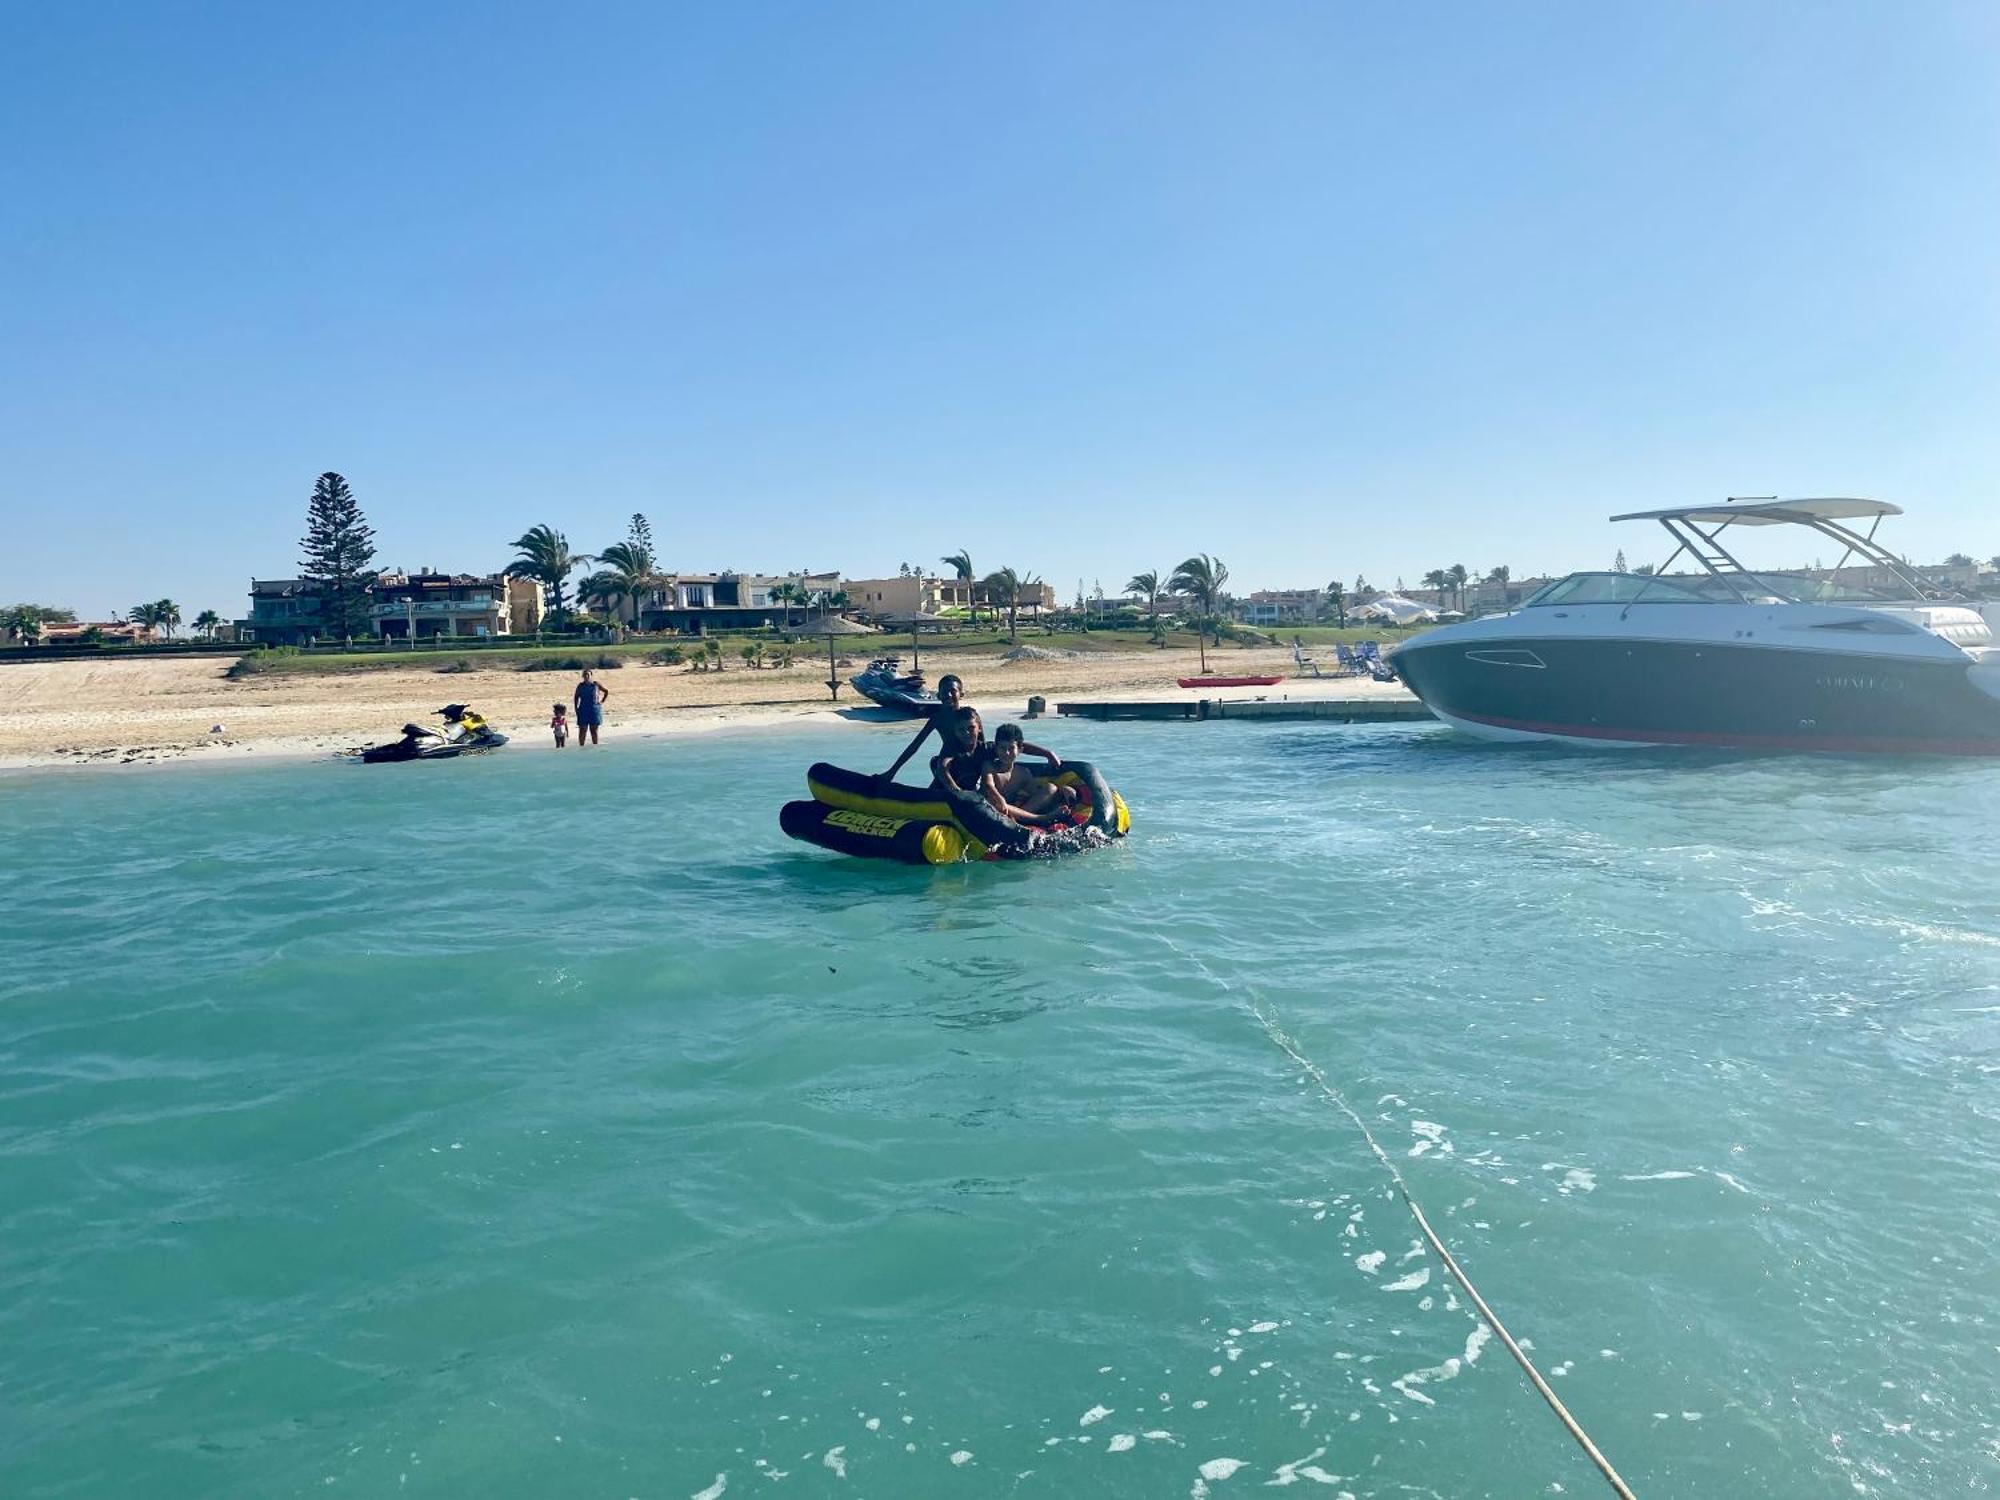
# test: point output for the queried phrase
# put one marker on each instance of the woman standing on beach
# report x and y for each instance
(949, 691)
(590, 695)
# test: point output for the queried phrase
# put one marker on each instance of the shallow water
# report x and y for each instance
(533, 1126)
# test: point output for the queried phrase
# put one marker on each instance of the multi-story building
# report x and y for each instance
(1283, 606)
(283, 612)
(414, 606)
(707, 603)
(919, 594)
(401, 606)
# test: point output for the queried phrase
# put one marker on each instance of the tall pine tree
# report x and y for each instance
(338, 548)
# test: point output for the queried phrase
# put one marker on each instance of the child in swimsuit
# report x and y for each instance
(1018, 793)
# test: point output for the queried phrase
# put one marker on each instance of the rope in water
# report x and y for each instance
(1492, 1319)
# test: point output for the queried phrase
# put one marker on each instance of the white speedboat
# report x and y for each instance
(1728, 655)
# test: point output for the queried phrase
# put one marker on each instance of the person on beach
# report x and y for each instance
(559, 722)
(590, 697)
(950, 691)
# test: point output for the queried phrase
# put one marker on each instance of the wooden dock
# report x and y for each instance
(1371, 710)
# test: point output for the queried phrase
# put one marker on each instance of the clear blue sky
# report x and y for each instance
(1323, 288)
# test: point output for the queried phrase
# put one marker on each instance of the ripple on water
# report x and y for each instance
(540, 1127)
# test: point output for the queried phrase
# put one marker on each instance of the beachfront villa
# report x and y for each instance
(917, 595)
(414, 606)
(708, 603)
(402, 606)
(1283, 606)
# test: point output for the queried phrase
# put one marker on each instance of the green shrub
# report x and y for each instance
(263, 659)
(461, 665)
(602, 661)
(667, 656)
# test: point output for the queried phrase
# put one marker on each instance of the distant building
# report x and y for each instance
(706, 603)
(283, 612)
(1283, 606)
(921, 594)
(120, 632)
(401, 606)
(420, 605)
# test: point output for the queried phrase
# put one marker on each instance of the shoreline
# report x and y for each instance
(72, 716)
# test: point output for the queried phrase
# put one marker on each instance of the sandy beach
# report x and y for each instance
(144, 713)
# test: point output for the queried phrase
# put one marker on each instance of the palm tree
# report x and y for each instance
(1459, 578)
(207, 622)
(604, 590)
(1199, 580)
(830, 601)
(161, 615)
(1438, 579)
(1149, 585)
(1003, 590)
(632, 571)
(546, 558)
(784, 593)
(960, 563)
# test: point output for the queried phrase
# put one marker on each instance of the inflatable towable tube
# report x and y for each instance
(854, 813)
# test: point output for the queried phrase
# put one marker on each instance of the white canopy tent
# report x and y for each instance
(1393, 607)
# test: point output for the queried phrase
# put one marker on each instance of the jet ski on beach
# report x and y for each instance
(883, 681)
(464, 732)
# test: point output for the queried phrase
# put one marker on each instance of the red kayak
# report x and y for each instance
(1195, 682)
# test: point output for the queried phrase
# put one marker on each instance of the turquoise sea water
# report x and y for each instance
(539, 1126)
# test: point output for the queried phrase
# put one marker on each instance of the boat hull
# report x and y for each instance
(1608, 692)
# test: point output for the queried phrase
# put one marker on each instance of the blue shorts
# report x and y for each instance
(590, 718)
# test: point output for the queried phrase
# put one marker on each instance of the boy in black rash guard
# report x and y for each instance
(962, 764)
(950, 690)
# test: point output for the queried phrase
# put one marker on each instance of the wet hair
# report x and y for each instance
(950, 681)
(561, 709)
(1009, 732)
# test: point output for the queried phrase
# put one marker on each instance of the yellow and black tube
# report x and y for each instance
(915, 841)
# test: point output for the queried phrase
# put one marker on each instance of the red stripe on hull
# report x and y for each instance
(1837, 744)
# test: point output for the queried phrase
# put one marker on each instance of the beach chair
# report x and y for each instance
(1351, 664)
(1303, 662)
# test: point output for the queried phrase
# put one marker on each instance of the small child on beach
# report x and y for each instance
(559, 722)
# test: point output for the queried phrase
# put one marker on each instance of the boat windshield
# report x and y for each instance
(1613, 588)
(1793, 588)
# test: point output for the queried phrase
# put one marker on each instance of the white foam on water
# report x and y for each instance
(873, 1424)
(1301, 1468)
(1654, 1176)
(714, 1491)
(1731, 1181)
(1220, 1468)
(961, 1458)
(1095, 1415)
(836, 1460)
(1121, 1442)
(1372, 1261)
(1201, 1406)
(1158, 1435)
(1409, 1283)
(1264, 1327)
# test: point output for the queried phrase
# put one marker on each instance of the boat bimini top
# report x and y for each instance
(1697, 531)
